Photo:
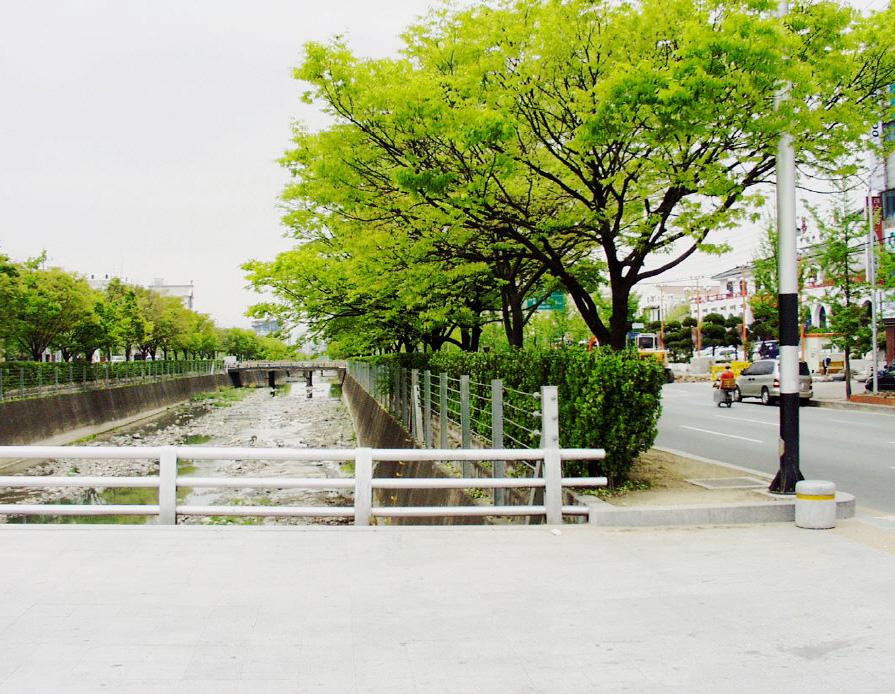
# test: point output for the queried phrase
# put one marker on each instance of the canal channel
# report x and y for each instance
(290, 416)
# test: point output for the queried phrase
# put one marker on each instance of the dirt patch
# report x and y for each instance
(667, 476)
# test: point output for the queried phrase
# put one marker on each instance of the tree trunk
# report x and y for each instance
(475, 338)
(618, 322)
(513, 316)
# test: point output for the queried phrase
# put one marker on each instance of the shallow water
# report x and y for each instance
(290, 417)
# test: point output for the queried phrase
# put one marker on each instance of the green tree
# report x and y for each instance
(579, 128)
(49, 304)
(714, 331)
(842, 228)
(9, 296)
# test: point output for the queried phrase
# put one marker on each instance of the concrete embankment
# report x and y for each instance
(72, 415)
(376, 428)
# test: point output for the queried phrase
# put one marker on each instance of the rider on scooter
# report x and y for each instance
(727, 382)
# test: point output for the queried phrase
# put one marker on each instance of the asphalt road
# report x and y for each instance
(854, 449)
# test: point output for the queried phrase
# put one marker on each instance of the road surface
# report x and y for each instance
(854, 449)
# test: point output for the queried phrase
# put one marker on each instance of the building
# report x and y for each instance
(660, 301)
(266, 326)
(726, 293)
(184, 292)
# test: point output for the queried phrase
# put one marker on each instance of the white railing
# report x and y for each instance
(318, 365)
(363, 483)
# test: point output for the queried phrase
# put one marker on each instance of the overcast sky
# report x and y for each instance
(139, 138)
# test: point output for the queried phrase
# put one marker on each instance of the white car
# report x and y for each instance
(762, 380)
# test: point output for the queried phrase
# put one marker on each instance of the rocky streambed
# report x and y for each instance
(291, 417)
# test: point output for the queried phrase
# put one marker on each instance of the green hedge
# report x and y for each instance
(607, 399)
(34, 373)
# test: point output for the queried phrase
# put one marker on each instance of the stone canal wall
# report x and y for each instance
(376, 428)
(41, 419)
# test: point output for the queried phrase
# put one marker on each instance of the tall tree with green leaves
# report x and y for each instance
(49, 303)
(843, 232)
(564, 130)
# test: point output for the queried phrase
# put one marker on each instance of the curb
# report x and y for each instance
(783, 511)
(780, 510)
(855, 406)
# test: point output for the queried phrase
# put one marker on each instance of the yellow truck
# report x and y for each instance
(648, 346)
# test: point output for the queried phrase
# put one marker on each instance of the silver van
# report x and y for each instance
(762, 380)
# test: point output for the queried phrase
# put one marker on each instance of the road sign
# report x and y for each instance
(555, 302)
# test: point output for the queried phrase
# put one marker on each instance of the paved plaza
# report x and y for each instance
(581, 609)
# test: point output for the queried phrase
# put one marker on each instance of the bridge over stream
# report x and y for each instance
(274, 373)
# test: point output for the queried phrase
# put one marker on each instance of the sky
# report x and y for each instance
(139, 138)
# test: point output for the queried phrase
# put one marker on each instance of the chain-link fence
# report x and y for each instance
(37, 379)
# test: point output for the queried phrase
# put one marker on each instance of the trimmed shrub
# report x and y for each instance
(607, 399)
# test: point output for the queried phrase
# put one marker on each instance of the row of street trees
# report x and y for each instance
(519, 146)
(49, 309)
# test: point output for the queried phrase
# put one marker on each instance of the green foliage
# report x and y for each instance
(607, 399)
(50, 309)
(30, 374)
(518, 144)
(246, 345)
(679, 340)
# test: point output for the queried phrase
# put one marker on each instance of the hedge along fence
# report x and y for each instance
(22, 377)
(607, 399)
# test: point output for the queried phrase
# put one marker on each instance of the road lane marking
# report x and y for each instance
(718, 433)
(746, 419)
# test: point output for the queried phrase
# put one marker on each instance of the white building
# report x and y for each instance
(661, 300)
(184, 292)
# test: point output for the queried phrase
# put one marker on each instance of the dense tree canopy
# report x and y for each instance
(521, 144)
(49, 309)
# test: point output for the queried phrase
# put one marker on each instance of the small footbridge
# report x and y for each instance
(274, 373)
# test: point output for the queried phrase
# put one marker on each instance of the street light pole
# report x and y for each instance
(788, 305)
(871, 279)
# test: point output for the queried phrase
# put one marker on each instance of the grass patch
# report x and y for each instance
(632, 485)
(223, 397)
(195, 439)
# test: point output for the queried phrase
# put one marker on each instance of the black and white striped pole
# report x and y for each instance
(788, 306)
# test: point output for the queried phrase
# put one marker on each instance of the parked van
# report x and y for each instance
(762, 380)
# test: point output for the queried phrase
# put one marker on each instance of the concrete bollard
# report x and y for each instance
(815, 504)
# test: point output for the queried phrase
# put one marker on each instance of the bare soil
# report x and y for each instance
(667, 476)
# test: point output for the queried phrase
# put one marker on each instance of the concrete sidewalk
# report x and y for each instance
(832, 394)
(218, 609)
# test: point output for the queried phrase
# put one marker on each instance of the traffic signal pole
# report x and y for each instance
(788, 305)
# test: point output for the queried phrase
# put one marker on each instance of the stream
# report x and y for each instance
(292, 416)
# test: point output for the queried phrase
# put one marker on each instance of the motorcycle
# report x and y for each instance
(723, 396)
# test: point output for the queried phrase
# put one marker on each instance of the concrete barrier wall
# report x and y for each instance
(376, 428)
(38, 419)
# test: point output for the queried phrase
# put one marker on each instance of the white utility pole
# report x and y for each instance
(788, 304)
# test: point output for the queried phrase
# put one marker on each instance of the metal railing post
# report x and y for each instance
(552, 458)
(427, 409)
(56, 373)
(416, 409)
(465, 432)
(1, 384)
(498, 467)
(363, 486)
(22, 380)
(405, 400)
(167, 486)
(442, 411)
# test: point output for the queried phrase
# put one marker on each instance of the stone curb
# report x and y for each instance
(856, 406)
(606, 515)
